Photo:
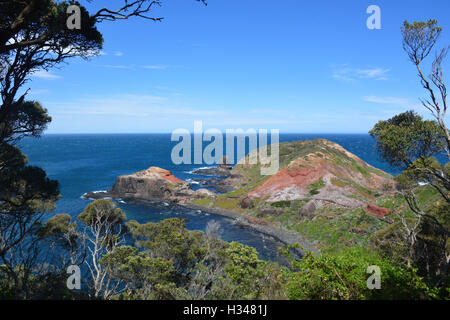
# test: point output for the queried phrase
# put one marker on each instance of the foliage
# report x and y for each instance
(408, 141)
(171, 262)
(48, 285)
(104, 212)
(281, 204)
(34, 37)
(104, 232)
(344, 276)
(65, 239)
(26, 193)
(407, 137)
(146, 277)
(170, 240)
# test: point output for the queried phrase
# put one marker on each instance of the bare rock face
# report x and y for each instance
(204, 193)
(308, 209)
(246, 202)
(150, 184)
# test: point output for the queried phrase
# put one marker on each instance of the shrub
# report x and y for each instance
(343, 276)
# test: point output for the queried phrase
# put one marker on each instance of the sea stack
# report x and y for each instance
(153, 183)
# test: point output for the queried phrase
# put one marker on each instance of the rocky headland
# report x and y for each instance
(155, 184)
(314, 176)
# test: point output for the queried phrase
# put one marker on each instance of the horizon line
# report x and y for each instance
(117, 133)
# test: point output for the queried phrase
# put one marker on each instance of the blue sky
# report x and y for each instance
(297, 66)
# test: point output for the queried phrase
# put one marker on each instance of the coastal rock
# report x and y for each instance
(308, 209)
(246, 203)
(222, 169)
(213, 171)
(220, 185)
(153, 183)
(204, 193)
(96, 195)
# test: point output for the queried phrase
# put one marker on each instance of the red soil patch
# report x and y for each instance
(165, 174)
(371, 208)
(301, 177)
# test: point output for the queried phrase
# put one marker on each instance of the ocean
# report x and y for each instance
(91, 162)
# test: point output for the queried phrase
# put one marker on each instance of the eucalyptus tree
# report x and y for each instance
(104, 231)
(34, 36)
(412, 143)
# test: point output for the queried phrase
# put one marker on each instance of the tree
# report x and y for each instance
(25, 195)
(344, 276)
(144, 277)
(34, 36)
(419, 39)
(170, 240)
(171, 262)
(21, 17)
(64, 239)
(104, 230)
(409, 142)
(211, 267)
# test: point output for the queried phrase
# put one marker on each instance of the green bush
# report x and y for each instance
(281, 204)
(344, 276)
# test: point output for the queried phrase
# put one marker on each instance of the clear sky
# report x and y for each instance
(294, 65)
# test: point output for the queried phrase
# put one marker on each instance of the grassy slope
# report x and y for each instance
(332, 227)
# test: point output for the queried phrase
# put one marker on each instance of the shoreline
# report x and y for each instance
(282, 235)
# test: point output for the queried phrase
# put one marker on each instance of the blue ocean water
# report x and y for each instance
(91, 162)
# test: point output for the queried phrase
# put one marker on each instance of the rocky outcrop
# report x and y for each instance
(223, 169)
(308, 209)
(213, 171)
(246, 203)
(204, 193)
(151, 184)
(155, 184)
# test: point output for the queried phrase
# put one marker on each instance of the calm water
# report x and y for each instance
(83, 163)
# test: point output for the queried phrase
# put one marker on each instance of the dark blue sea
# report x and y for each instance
(91, 162)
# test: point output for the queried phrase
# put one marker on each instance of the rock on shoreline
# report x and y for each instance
(153, 183)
